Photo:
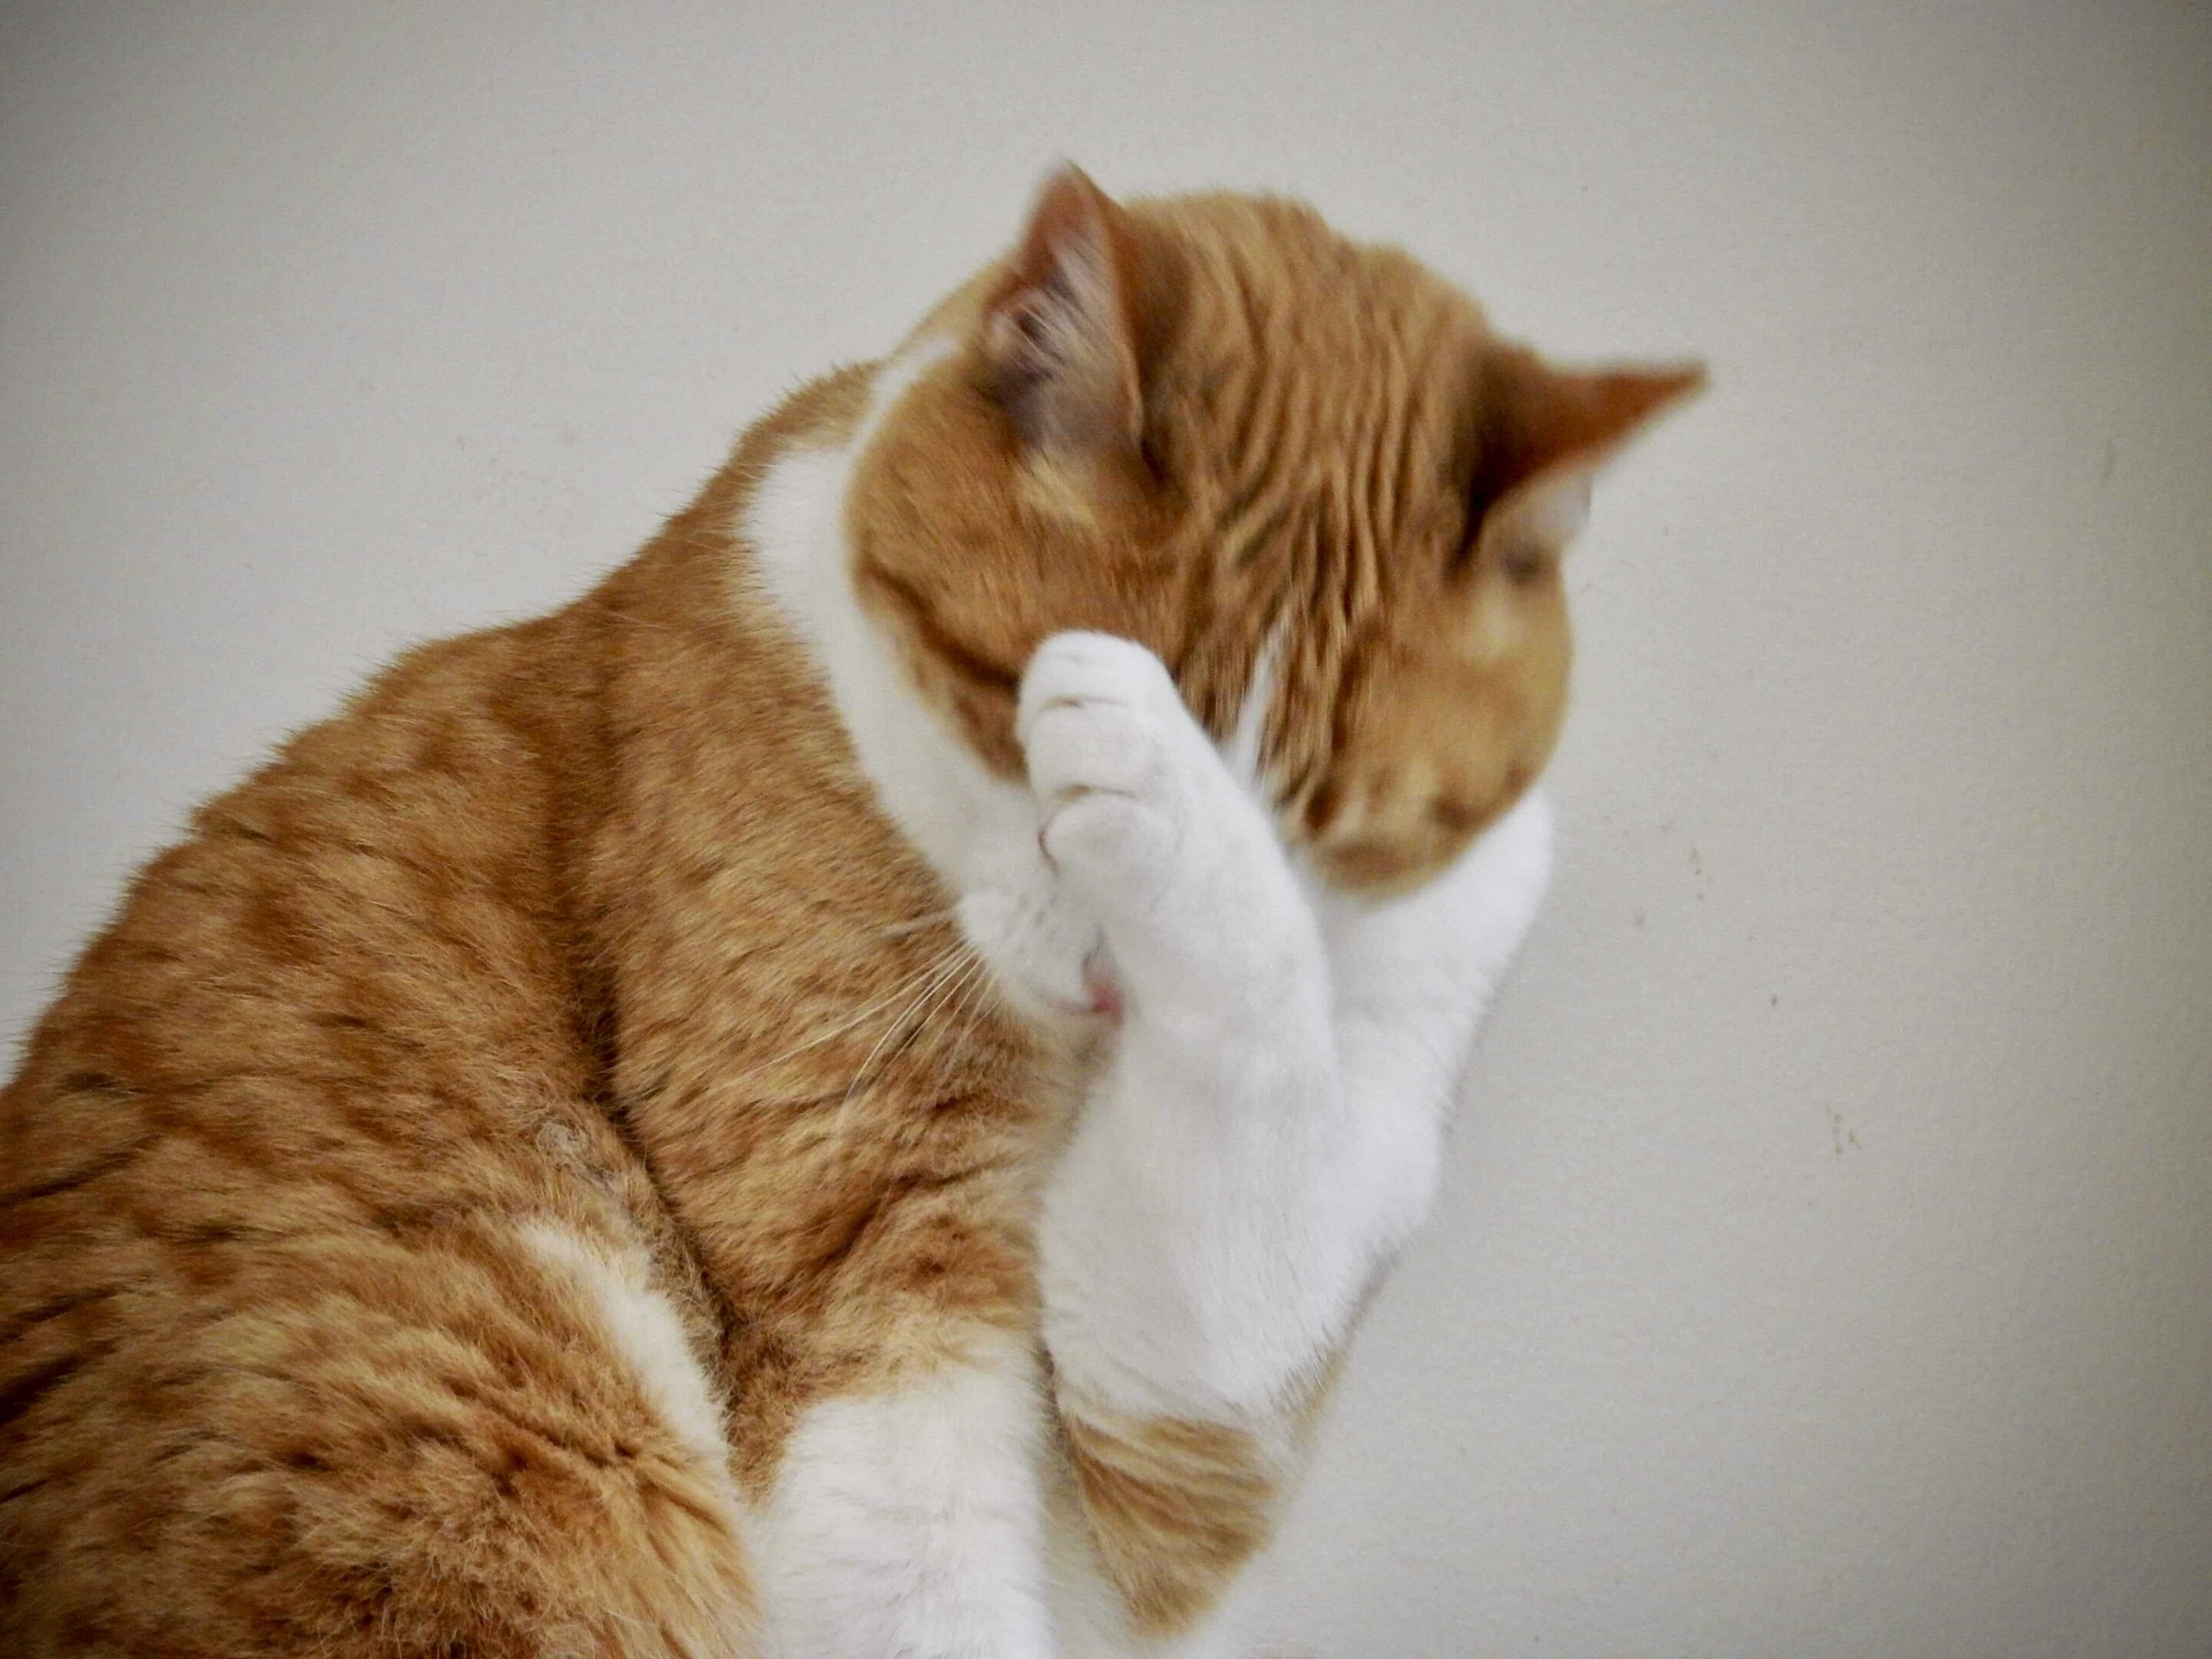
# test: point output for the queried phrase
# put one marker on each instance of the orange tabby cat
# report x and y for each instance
(806, 1105)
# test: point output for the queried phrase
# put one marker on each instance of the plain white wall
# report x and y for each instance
(1825, 1263)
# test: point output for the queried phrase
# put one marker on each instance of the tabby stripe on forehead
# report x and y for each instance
(936, 638)
(1253, 523)
(1362, 432)
(1252, 314)
(1386, 484)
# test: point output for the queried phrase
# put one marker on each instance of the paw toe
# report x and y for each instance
(1111, 847)
(1080, 747)
(1085, 668)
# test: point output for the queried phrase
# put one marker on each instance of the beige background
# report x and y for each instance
(1823, 1267)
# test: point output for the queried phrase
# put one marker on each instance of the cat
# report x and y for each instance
(843, 1094)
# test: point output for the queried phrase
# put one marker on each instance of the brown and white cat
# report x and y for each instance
(840, 1096)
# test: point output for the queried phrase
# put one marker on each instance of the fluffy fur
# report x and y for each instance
(843, 1094)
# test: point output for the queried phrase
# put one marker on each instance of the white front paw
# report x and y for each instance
(1146, 828)
(1101, 723)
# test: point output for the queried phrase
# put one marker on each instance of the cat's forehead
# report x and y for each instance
(1308, 290)
(1299, 337)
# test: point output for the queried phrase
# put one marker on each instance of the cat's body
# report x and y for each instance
(798, 1107)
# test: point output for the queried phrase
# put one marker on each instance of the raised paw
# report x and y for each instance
(1119, 768)
(1097, 713)
(1143, 822)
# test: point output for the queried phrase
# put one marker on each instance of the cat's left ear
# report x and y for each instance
(1548, 431)
(1060, 331)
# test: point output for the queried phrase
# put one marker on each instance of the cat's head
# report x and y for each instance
(1212, 425)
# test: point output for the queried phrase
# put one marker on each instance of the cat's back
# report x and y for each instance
(375, 910)
(273, 1361)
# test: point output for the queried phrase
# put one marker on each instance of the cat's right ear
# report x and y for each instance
(1548, 430)
(1059, 331)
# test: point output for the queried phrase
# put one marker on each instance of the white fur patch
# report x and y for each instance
(948, 803)
(908, 1523)
(643, 1328)
(1244, 751)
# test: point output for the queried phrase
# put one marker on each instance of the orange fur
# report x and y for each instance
(593, 921)
(1176, 1506)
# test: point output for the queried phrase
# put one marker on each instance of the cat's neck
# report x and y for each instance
(948, 805)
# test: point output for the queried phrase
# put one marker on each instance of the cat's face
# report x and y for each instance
(1213, 426)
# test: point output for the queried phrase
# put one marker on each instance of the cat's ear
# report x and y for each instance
(1059, 331)
(1547, 431)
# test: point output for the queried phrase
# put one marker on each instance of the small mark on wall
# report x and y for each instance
(2112, 465)
(1842, 1138)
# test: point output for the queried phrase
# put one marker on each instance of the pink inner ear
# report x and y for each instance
(1058, 330)
(1069, 209)
(1554, 506)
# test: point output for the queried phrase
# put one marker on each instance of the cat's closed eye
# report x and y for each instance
(1524, 561)
(1455, 817)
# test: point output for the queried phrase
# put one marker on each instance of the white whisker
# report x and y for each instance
(915, 924)
(974, 1001)
(907, 983)
(964, 962)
